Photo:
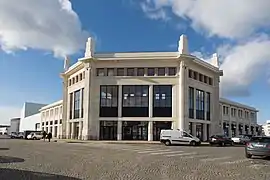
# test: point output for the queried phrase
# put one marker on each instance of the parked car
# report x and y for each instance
(258, 146)
(35, 135)
(242, 139)
(169, 137)
(220, 140)
(15, 135)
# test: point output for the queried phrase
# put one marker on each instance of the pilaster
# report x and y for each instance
(150, 94)
(119, 130)
(181, 103)
(150, 131)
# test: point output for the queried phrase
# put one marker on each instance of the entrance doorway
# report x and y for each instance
(135, 130)
(158, 126)
(108, 130)
(199, 131)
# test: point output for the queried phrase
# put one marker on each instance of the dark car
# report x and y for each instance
(258, 146)
(220, 140)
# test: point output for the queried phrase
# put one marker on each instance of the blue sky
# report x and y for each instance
(31, 53)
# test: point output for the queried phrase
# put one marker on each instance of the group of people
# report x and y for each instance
(47, 135)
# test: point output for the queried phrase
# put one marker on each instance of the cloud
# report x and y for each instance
(243, 64)
(6, 113)
(49, 25)
(224, 18)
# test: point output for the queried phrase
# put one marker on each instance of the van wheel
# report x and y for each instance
(193, 143)
(34, 138)
(167, 143)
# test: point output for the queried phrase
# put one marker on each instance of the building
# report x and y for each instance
(132, 96)
(30, 117)
(51, 118)
(15, 125)
(266, 128)
(237, 119)
(4, 129)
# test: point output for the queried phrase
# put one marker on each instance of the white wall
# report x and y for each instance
(15, 125)
(266, 128)
(4, 130)
(29, 123)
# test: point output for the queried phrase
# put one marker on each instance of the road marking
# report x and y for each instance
(199, 156)
(258, 166)
(183, 154)
(215, 159)
(170, 152)
(142, 152)
(235, 162)
(137, 149)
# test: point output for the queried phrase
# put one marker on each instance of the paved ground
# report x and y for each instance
(38, 160)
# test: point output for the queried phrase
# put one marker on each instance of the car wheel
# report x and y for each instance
(248, 155)
(222, 144)
(167, 143)
(232, 143)
(192, 143)
(34, 138)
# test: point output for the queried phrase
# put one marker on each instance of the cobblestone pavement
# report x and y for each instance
(38, 160)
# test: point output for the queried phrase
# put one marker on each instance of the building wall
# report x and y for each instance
(15, 125)
(240, 116)
(51, 118)
(30, 108)
(30, 123)
(266, 128)
(180, 120)
(4, 130)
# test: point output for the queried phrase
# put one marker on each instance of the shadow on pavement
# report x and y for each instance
(4, 149)
(8, 159)
(8, 174)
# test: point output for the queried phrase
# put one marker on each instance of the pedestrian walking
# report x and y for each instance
(49, 136)
(44, 134)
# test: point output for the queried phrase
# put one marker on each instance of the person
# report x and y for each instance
(44, 134)
(49, 136)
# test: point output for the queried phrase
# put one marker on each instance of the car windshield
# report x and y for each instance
(261, 139)
(218, 136)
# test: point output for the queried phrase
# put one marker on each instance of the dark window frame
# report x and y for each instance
(77, 104)
(162, 101)
(191, 102)
(108, 101)
(70, 105)
(200, 102)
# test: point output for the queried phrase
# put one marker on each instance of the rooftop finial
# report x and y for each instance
(215, 60)
(90, 47)
(66, 63)
(183, 45)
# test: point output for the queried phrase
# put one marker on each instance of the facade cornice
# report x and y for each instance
(236, 104)
(54, 104)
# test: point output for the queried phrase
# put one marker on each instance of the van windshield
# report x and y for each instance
(187, 135)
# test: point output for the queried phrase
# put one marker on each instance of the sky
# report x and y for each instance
(36, 35)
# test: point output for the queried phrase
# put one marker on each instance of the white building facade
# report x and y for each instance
(30, 117)
(237, 119)
(15, 125)
(132, 96)
(266, 128)
(51, 118)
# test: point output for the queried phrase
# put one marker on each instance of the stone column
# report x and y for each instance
(150, 94)
(80, 129)
(68, 130)
(119, 130)
(120, 92)
(150, 131)
(81, 99)
(65, 107)
(193, 129)
(237, 129)
(72, 130)
(181, 103)
(205, 132)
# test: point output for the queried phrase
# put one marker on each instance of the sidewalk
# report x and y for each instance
(110, 142)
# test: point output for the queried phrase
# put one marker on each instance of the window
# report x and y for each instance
(80, 77)
(55, 121)
(73, 80)
(199, 104)
(161, 71)
(205, 79)
(150, 71)
(135, 101)
(51, 122)
(130, 72)
(77, 104)
(190, 73)
(191, 102)
(140, 71)
(201, 77)
(171, 71)
(77, 78)
(162, 101)
(120, 72)
(195, 75)
(108, 101)
(60, 121)
(208, 105)
(210, 81)
(110, 72)
(69, 82)
(100, 72)
(82, 103)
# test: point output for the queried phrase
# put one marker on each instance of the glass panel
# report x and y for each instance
(140, 71)
(120, 71)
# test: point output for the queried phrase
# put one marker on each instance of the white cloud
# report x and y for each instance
(224, 18)
(243, 61)
(49, 25)
(6, 113)
(243, 64)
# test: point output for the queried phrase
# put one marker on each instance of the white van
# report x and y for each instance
(35, 135)
(169, 137)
